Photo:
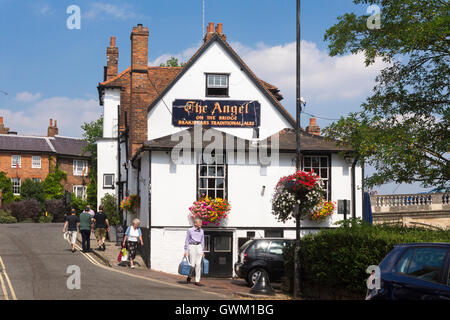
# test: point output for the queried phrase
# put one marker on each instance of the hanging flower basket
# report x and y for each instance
(304, 188)
(130, 203)
(211, 211)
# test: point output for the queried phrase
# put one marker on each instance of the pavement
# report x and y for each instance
(234, 288)
(37, 263)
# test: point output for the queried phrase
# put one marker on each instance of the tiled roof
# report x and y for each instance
(287, 141)
(59, 145)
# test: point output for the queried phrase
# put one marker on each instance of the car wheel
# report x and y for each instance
(254, 274)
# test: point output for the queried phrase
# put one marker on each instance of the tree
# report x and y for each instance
(92, 131)
(7, 188)
(32, 190)
(53, 188)
(403, 128)
(109, 203)
(172, 62)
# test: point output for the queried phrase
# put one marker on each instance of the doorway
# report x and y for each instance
(219, 253)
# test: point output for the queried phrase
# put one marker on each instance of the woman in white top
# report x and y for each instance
(131, 238)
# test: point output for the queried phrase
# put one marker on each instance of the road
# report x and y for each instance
(33, 265)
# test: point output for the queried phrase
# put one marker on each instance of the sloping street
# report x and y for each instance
(34, 259)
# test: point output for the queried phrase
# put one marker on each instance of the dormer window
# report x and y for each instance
(217, 85)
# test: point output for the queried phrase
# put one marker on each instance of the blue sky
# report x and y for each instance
(50, 71)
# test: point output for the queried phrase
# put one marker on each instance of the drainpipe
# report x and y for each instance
(354, 187)
(119, 178)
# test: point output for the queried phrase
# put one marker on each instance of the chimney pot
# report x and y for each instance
(312, 121)
(112, 42)
(210, 27)
(139, 24)
(51, 122)
(1, 120)
(219, 28)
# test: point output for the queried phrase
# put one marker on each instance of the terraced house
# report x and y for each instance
(149, 110)
(29, 156)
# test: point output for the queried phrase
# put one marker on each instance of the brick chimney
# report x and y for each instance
(3, 129)
(139, 48)
(313, 128)
(112, 59)
(210, 31)
(140, 87)
(52, 129)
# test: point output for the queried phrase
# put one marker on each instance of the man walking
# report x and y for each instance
(101, 226)
(71, 226)
(90, 211)
(85, 230)
(193, 249)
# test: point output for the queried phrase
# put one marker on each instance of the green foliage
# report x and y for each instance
(25, 210)
(172, 62)
(6, 187)
(109, 203)
(32, 190)
(6, 217)
(91, 132)
(337, 259)
(402, 129)
(57, 209)
(46, 219)
(53, 188)
(78, 203)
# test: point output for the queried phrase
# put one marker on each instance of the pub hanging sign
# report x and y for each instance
(216, 113)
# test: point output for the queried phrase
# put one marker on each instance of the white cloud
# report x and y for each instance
(184, 56)
(101, 10)
(26, 96)
(69, 113)
(325, 79)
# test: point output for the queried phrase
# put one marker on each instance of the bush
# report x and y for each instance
(6, 217)
(57, 209)
(335, 260)
(46, 219)
(32, 190)
(109, 203)
(6, 187)
(77, 203)
(25, 210)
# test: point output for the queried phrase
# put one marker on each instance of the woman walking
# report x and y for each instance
(131, 238)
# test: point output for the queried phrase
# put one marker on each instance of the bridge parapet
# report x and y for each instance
(413, 203)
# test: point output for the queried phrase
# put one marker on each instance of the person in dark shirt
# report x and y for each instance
(101, 226)
(71, 227)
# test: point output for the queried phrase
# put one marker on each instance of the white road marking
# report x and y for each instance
(89, 258)
(11, 289)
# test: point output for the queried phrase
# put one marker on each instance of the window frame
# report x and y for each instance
(200, 190)
(13, 186)
(12, 160)
(329, 169)
(36, 180)
(33, 166)
(227, 94)
(112, 181)
(84, 195)
(75, 166)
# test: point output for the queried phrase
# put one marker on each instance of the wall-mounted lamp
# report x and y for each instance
(263, 189)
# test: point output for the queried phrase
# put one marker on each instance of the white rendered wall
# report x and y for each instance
(192, 86)
(106, 164)
(143, 190)
(111, 100)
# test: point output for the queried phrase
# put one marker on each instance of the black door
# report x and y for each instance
(219, 253)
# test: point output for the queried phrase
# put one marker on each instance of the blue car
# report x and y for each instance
(417, 271)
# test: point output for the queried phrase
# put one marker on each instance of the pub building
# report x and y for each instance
(214, 99)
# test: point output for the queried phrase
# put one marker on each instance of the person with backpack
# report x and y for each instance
(132, 237)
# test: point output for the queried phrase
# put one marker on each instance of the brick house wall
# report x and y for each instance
(26, 170)
(66, 164)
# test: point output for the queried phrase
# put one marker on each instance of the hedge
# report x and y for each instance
(25, 210)
(6, 217)
(57, 209)
(334, 261)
